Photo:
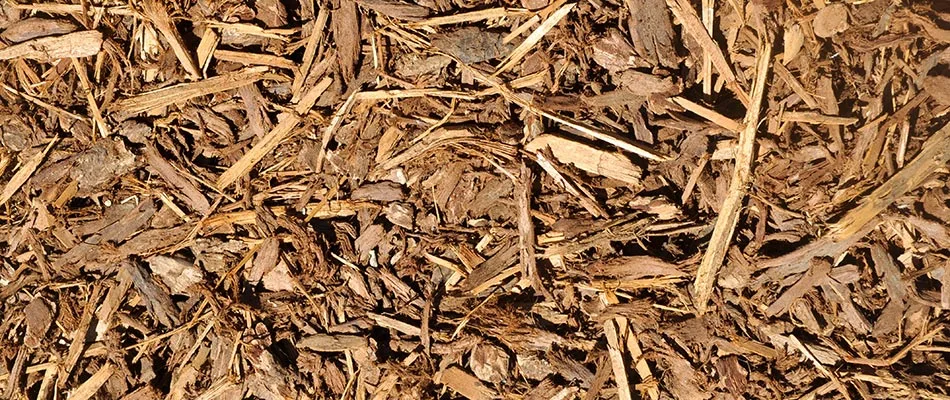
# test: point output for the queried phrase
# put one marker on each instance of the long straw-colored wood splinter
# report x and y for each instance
(729, 212)
(273, 138)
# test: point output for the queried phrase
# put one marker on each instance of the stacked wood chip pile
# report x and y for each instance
(467, 199)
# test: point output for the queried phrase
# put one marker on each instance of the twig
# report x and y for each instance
(729, 212)
(708, 21)
(526, 238)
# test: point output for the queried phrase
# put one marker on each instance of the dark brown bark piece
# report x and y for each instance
(158, 302)
(381, 191)
(472, 45)
(651, 31)
(38, 319)
(346, 33)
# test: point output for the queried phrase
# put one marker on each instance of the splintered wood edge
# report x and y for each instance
(25, 172)
(584, 129)
(333, 209)
(70, 45)
(617, 362)
(178, 93)
(335, 123)
(156, 13)
(526, 231)
(587, 202)
(641, 366)
(78, 336)
(491, 13)
(709, 16)
(683, 11)
(392, 323)
(588, 158)
(709, 114)
(934, 153)
(247, 58)
(90, 97)
(92, 385)
(310, 52)
(534, 38)
(816, 118)
(858, 221)
(124, 11)
(269, 142)
(729, 212)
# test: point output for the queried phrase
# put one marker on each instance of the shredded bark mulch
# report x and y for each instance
(373, 199)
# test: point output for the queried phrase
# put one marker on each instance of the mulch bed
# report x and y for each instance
(372, 199)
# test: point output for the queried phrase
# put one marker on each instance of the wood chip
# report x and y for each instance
(186, 91)
(45, 49)
(588, 158)
(466, 385)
